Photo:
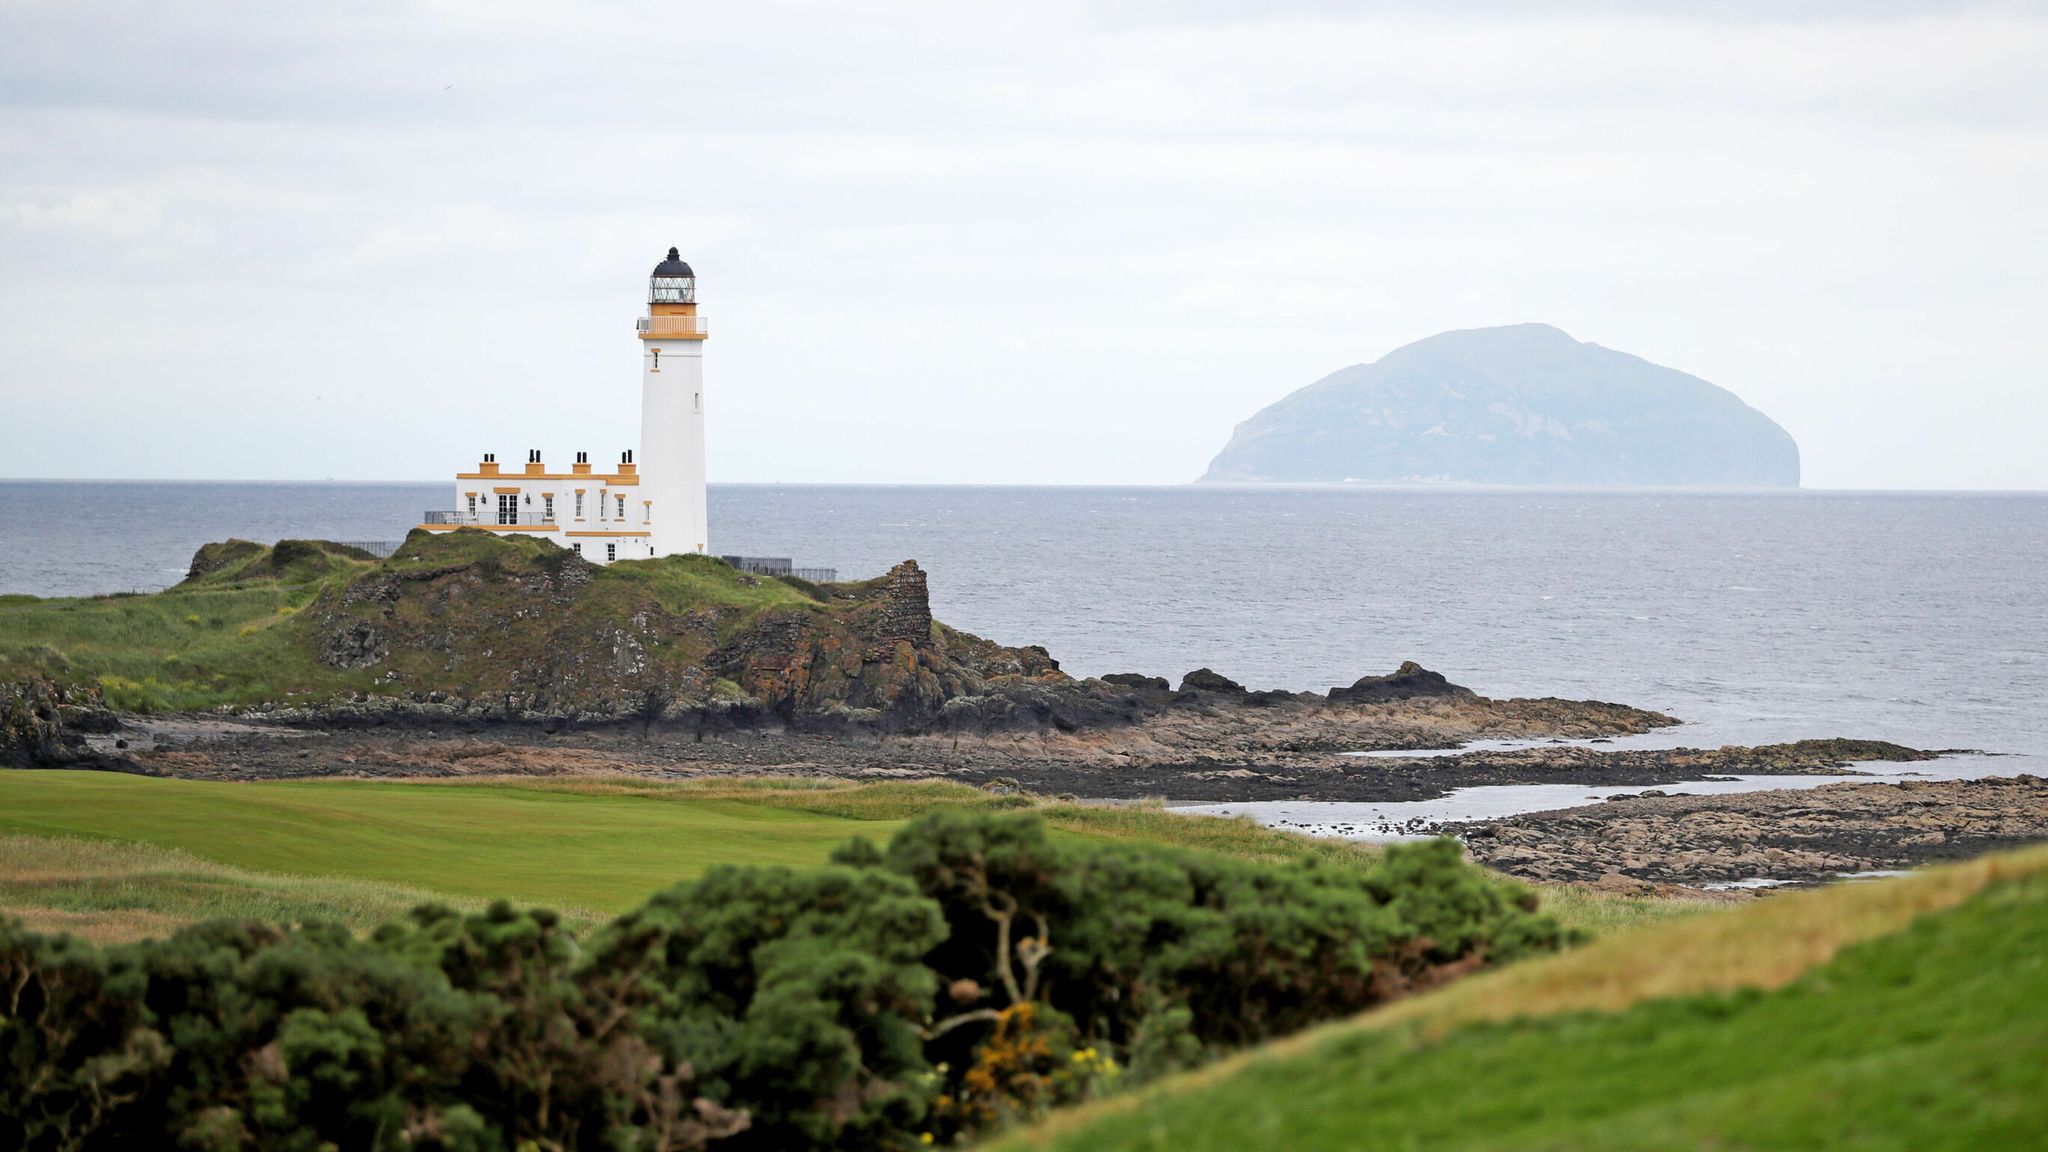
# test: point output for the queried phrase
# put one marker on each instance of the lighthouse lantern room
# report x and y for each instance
(649, 505)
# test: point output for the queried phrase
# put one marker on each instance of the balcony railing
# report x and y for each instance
(671, 326)
(486, 520)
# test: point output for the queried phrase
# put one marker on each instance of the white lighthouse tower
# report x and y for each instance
(672, 411)
(653, 506)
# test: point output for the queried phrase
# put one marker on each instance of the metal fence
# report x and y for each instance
(781, 566)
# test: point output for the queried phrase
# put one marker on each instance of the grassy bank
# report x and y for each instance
(117, 857)
(1902, 1014)
(236, 635)
(112, 890)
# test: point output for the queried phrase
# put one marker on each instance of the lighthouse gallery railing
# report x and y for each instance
(671, 326)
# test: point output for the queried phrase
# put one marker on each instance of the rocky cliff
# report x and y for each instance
(472, 624)
(1523, 404)
(43, 722)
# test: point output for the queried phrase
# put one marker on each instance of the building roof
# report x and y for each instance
(673, 266)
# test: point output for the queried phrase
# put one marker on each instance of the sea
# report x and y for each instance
(1754, 617)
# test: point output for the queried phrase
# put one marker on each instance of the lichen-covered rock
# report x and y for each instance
(877, 657)
(506, 629)
(355, 644)
(486, 628)
(42, 721)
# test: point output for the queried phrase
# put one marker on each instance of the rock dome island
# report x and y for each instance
(1520, 404)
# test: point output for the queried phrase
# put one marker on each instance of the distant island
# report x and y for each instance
(1520, 404)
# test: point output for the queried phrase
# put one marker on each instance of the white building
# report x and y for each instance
(652, 506)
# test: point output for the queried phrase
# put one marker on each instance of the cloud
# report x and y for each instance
(939, 223)
(115, 214)
(477, 232)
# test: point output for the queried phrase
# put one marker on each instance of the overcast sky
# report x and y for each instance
(1025, 243)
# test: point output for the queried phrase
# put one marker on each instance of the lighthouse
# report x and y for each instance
(672, 411)
(641, 508)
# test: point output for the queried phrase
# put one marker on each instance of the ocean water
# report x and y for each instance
(1753, 616)
(1410, 819)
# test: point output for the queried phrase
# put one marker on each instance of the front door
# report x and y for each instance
(508, 508)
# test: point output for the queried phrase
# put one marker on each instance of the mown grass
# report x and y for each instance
(553, 847)
(1901, 1014)
(602, 843)
(899, 800)
(109, 890)
(585, 846)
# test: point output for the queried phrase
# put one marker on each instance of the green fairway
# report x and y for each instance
(1928, 1036)
(594, 850)
(118, 857)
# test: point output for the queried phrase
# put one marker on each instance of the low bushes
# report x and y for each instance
(971, 972)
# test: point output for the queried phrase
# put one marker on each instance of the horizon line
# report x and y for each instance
(1444, 487)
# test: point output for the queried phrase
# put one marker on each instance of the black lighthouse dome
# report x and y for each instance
(674, 266)
(672, 282)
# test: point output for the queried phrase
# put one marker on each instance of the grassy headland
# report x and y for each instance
(254, 624)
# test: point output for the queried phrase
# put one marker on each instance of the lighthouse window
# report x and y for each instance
(472, 505)
(578, 546)
(657, 361)
(508, 508)
(579, 505)
(547, 509)
(622, 507)
(697, 400)
(611, 552)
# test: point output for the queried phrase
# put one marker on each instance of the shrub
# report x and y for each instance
(973, 972)
(1168, 955)
(76, 1049)
(793, 995)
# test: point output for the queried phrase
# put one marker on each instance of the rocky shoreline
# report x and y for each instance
(1213, 755)
(1811, 835)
